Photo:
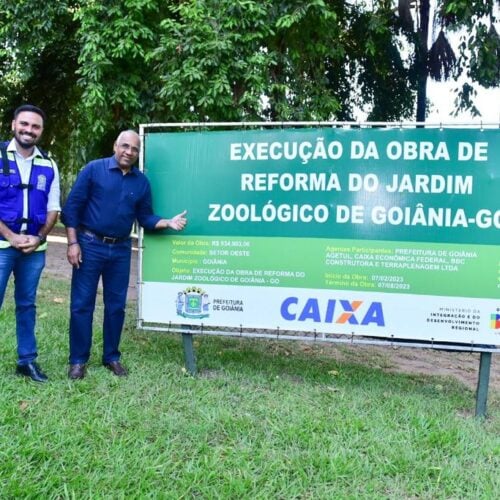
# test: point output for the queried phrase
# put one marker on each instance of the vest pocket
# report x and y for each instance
(8, 191)
(7, 215)
(40, 218)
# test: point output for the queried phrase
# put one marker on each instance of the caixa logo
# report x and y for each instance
(340, 311)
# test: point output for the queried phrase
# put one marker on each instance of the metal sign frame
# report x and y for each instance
(188, 331)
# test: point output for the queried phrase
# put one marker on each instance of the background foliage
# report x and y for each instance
(98, 67)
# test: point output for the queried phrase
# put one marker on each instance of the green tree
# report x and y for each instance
(38, 62)
(306, 60)
(479, 49)
(98, 67)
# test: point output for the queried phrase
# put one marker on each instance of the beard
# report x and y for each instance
(26, 140)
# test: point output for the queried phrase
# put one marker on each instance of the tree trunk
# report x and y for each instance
(421, 59)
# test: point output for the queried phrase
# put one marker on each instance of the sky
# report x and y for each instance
(442, 97)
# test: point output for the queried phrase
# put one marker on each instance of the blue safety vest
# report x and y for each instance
(11, 192)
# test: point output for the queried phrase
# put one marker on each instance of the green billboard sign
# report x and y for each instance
(359, 231)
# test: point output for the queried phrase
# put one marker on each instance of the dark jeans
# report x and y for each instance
(112, 263)
(26, 269)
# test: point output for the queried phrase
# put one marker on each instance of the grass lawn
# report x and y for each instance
(262, 420)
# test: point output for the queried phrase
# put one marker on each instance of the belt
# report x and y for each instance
(105, 239)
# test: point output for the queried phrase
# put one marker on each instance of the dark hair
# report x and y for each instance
(32, 109)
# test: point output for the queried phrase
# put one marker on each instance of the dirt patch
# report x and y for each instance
(462, 366)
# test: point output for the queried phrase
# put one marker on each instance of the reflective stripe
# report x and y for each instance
(43, 162)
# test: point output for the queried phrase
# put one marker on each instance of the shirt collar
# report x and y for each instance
(12, 148)
(114, 164)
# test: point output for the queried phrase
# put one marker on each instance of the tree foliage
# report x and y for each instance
(38, 65)
(478, 50)
(98, 67)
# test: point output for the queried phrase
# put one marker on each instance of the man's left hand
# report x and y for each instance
(30, 244)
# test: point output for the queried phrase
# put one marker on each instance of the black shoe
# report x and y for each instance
(117, 368)
(32, 370)
(77, 371)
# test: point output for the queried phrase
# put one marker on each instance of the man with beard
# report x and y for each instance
(29, 205)
(108, 196)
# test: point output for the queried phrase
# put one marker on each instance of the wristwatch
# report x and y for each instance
(43, 238)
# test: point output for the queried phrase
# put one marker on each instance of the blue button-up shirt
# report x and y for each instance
(107, 202)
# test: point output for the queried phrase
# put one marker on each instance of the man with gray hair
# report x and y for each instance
(108, 196)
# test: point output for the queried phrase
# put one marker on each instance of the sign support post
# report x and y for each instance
(189, 354)
(483, 383)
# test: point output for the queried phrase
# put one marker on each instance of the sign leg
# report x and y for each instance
(189, 355)
(483, 383)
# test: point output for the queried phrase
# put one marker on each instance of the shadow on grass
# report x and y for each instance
(295, 362)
